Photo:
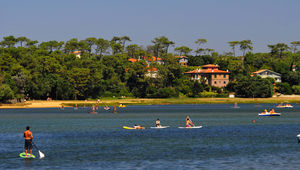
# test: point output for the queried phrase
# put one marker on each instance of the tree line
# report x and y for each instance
(39, 70)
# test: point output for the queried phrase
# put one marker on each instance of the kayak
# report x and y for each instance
(22, 155)
(193, 127)
(285, 106)
(269, 114)
(122, 105)
(132, 128)
(160, 127)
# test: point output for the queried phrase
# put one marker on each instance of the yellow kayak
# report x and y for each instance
(122, 105)
(130, 128)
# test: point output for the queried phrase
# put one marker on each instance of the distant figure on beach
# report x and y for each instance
(115, 109)
(157, 123)
(76, 107)
(62, 106)
(28, 141)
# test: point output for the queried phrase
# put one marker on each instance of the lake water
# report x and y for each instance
(73, 139)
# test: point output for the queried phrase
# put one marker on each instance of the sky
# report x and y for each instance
(182, 21)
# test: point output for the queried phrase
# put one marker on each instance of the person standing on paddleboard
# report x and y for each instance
(157, 123)
(28, 140)
(188, 122)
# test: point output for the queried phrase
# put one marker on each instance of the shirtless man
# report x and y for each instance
(157, 123)
(28, 141)
(188, 122)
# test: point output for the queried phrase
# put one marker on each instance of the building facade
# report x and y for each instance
(183, 60)
(268, 73)
(211, 74)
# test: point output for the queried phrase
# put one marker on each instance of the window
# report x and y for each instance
(215, 77)
(215, 82)
(224, 76)
(224, 82)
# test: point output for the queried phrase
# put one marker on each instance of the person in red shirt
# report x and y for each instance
(28, 140)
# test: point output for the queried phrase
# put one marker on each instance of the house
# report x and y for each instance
(268, 73)
(183, 60)
(152, 73)
(153, 59)
(77, 54)
(211, 74)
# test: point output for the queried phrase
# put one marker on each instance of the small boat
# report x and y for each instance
(284, 106)
(192, 127)
(159, 127)
(122, 105)
(298, 137)
(269, 114)
(133, 128)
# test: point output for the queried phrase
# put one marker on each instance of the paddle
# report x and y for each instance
(42, 155)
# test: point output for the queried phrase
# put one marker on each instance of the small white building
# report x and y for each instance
(77, 54)
(183, 60)
(268, 73)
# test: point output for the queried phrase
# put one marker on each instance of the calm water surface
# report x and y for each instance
(73, 139)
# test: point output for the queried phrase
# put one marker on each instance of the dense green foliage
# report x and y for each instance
(34, 70)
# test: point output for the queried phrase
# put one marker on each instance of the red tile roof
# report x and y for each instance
(259, 71)
(153, 69)
(132, 60)
(207, 71)
(76, 52)
(181, 56)
(210, 66)
(152, 58)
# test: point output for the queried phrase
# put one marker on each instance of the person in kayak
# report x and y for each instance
(157, 123)
(28, 140)
(138, 127)
(188, 122)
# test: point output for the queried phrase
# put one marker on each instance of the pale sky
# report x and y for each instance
(182, 21)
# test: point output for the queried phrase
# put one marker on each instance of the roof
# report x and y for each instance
(181, 56)
(132, 60)
(210, 65)
(152, 69)
(263, 70)
(207, 71)
(152, 58)
(76, 52)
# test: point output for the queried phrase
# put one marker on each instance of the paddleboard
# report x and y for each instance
(131, 128)
(193, 127)
(161, 127)
(22, 155)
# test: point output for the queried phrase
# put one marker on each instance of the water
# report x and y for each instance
(73, 139)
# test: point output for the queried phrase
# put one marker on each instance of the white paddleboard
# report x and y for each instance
(161, 127)
(193, 127)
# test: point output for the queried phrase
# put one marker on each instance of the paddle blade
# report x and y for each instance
(42, 155)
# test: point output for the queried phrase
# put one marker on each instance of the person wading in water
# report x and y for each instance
(28, 141)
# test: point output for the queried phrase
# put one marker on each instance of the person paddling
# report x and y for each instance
(28, 141)
(188, 122)
(157, 123)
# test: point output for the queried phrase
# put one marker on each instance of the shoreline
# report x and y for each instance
(134, 101)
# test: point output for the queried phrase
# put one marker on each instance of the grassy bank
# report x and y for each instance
(132, 101)
(188, 101)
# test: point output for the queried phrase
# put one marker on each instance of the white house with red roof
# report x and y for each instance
(264, 73)
(77, 54)
(183, 60)
(211, 74)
